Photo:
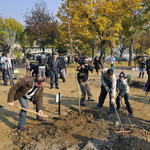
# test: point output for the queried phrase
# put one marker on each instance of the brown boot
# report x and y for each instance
(42, 120)
(22, 129)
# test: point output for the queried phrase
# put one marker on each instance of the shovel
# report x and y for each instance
(126, 113)
(36, 112)
(120, 122)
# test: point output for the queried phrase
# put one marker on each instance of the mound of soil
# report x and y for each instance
(137, 84)
(90, 130)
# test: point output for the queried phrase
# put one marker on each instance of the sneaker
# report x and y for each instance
(130, 115)
(42, 120)
(82, 104)
(2, 106)
(110, 116)
(51, 87)
(118, 108)
(22, 129)
(96, 107)
(57, 87)
(91, 100)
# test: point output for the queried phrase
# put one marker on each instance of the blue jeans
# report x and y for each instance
(9, 73)
(102, 99)
(22, 115)
(142, 70)
(112, 67)
(56, 78)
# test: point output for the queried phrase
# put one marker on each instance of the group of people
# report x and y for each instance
(109, 84)
(48, 66)
(31, 88)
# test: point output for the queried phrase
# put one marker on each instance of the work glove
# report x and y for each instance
(107, 89)
(112, 101)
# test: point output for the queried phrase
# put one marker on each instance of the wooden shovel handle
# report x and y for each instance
(30, 111)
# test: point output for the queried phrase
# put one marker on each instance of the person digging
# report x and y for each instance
(30, 88)
(123, 89)
(108, 79)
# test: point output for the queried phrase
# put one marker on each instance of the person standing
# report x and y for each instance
(41, 65)
(63, 68)
(108, 80)
(30, 88)
(27, 67)
(55, 67)
(82, 77)
(97, 65)
(142, 67)
(112, 62)
(6, 68)
(123, 89)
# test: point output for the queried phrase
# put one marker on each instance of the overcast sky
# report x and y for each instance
(16, 8)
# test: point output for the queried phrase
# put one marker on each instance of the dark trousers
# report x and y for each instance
(126, 102)
(102, 97)
(52, 78)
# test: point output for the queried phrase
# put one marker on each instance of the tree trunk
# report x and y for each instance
(102, 50)
(93, 52)
(130, 52)
(43, 49)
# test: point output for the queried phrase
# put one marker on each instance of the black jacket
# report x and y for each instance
(82, 75)
(54, 65)
(42, 60)
(62, 63)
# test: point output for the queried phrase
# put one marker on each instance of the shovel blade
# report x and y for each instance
(122, 132)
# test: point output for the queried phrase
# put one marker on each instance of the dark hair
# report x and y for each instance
(55, 53)
(110, 71)
(39, 81)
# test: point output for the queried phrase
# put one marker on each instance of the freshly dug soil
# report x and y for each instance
(86, 131)
(137, 84)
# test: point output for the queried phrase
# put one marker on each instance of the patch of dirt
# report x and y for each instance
(86, 131)
(95, 81)
(137, 84)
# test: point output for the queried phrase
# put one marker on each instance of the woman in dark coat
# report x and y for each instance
(97, 65)
(142, 67)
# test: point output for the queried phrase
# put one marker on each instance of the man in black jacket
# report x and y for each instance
(41, 64)
(63, 68)
(55, 67)
(82, 76)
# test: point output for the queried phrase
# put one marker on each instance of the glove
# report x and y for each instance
(112, 101)
(107, 89)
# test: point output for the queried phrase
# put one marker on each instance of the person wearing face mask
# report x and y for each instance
(108, 85)
(82, 77)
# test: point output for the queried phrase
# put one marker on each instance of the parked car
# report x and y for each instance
(125, 59)
(108, 59)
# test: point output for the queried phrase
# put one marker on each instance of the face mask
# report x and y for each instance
(85, 61)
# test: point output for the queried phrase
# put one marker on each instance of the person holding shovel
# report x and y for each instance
(27, 88)
(123, 88)
(108, 79)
